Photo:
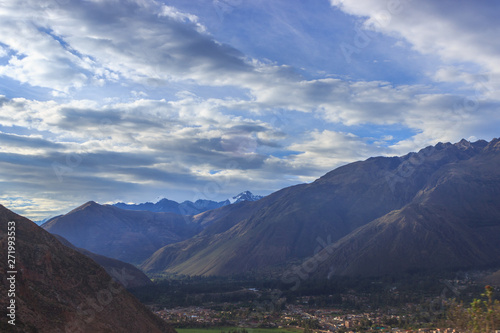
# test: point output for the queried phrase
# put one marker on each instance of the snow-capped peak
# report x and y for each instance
(245, 196)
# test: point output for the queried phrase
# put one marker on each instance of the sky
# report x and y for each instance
(136, 100)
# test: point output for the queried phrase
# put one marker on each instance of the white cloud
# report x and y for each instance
(3, 52)
(265, 127)
(327, 150)
(142, 142)
(457, 31)
(93, 42)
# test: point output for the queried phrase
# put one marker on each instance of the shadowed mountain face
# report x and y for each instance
(130, 236)
(126, 274)
(452, 223)
(429, 194)
(60, 290)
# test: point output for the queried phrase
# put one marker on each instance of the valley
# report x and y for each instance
(405, 303)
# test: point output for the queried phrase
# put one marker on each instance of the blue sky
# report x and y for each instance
(135, 100)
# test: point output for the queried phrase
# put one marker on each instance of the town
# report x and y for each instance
(408, 317)
(319, 320)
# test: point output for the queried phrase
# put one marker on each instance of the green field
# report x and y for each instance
(250, 330)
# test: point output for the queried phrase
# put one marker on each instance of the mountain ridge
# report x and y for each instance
(129, 236)
(188, 207)
(465, 225)
(388, 196)
(285, 225)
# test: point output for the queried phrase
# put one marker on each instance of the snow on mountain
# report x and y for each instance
(245, 196)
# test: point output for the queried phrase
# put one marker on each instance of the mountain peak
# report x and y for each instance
(463, 144)
(245, 196)
(493, 145)
(89, 204)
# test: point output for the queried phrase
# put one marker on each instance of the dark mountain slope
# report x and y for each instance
(130, 236)
(290, 224)
(126, 274)
(60, 290)
(452, 223)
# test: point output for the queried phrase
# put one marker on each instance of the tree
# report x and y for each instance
(483, 315)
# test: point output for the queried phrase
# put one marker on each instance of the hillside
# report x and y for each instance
(129, 236)
(58, 289)
(452, 223)
(294, 223)
(126, 274)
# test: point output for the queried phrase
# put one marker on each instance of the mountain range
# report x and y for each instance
(436, 209)
(58, 289)
(453, 222)
(188, 207)
(130, 236)
(135, 233)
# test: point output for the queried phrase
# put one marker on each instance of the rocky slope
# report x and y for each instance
(58, 289)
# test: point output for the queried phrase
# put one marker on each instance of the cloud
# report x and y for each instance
(322, 151)
(26, 144)
(190, 146)
(148, 42)
(85, 150)
(166, 109)
(457, 31)
(209, 148)
(77, 43)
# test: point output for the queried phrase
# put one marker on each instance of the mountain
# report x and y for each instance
(57, 289)
(126, 274)
(129, 236)
(452, 223)
(40, 222)
(428, 194)
(188, 207)
(245, 196)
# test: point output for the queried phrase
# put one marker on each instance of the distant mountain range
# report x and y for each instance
(438, 209)
(58, 289)
(135, 233)
(188, 207)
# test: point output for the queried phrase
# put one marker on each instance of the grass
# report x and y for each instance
(250, 330)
